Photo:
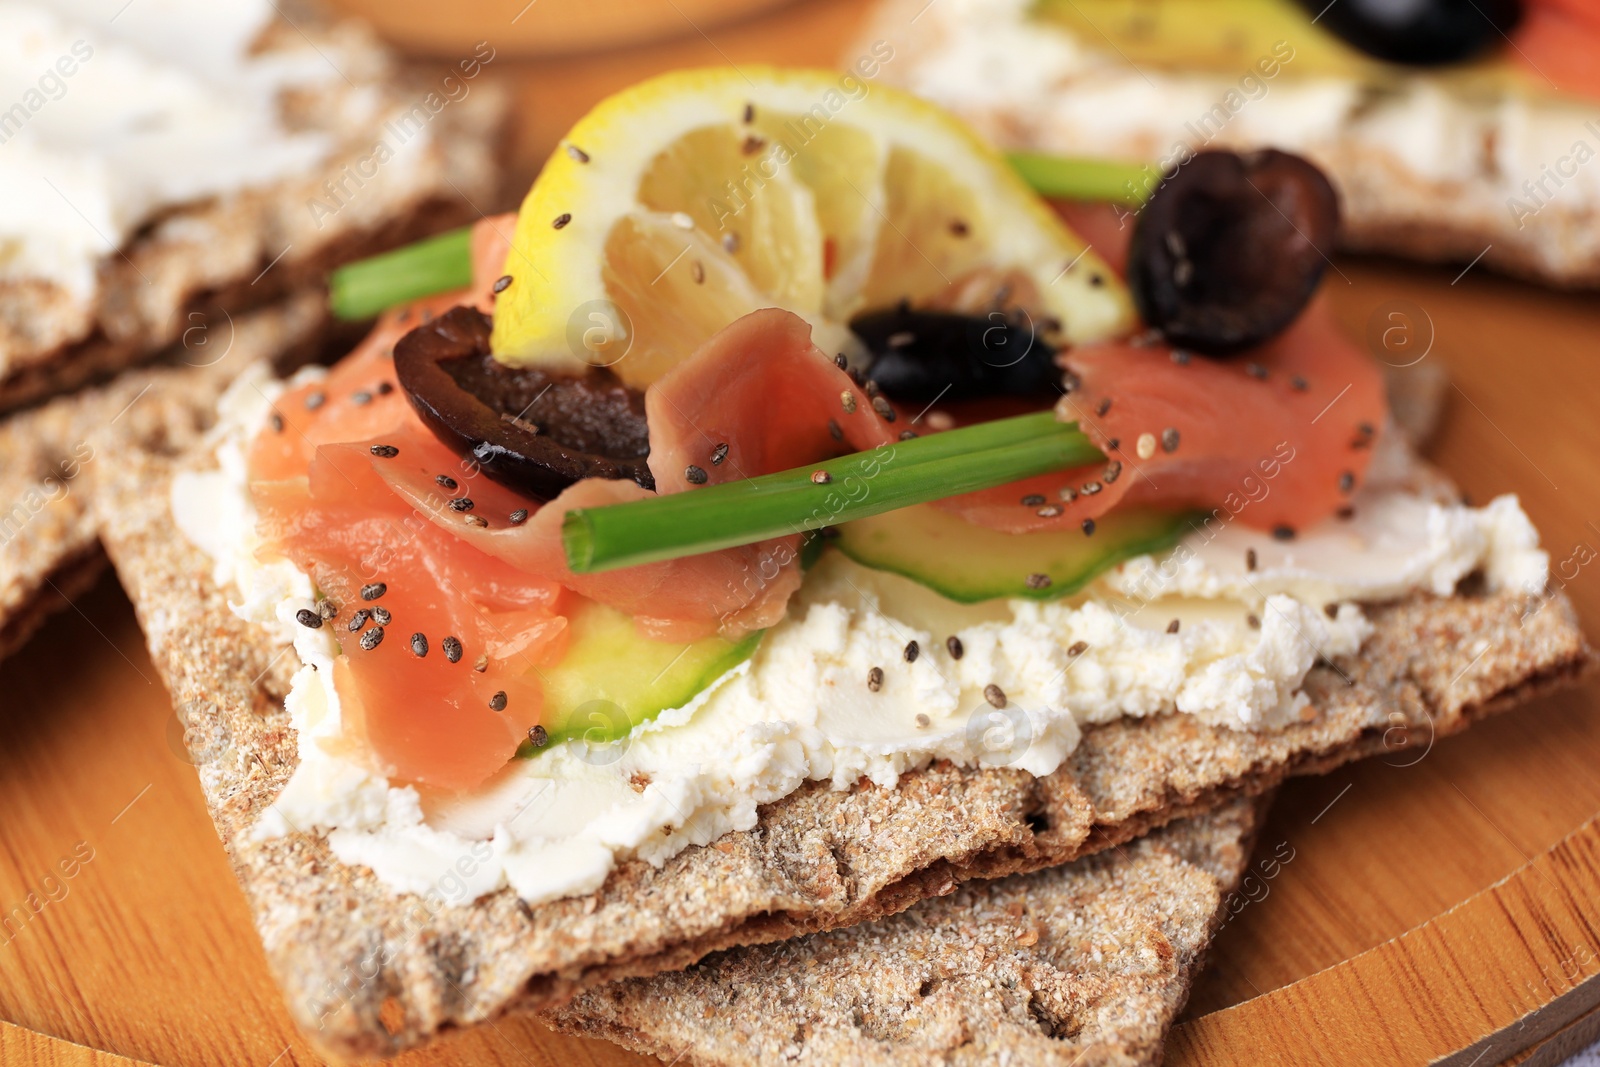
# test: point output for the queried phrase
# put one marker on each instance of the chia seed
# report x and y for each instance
(372, 638)
(695, 475)
(875, 679)
(381, 616)
(498, 701)
(913, 650)
(994, 695)
(419, 645)
(952, 645)
(451, 646)
(308, 618)
(461, 503)
(373, 591)
(384, 451)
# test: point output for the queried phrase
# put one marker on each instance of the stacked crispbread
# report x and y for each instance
(51, 454)
(219, 284)
(1080, 965)
(368, 972)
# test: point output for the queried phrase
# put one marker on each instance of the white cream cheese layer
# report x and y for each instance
(801, 710)
(111, 113)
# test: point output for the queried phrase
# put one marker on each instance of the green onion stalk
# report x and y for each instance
(833, 491)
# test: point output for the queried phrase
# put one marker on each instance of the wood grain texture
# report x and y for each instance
(148, 953)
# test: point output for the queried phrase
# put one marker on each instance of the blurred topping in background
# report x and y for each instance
(166, 164)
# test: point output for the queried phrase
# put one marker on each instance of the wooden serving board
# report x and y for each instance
(1446, 907)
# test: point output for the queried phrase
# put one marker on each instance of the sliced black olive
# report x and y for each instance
(1229, 248)
(532, 430)
(918, 355)
(1421, 33)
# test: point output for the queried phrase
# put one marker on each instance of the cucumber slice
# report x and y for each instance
(969, 563)
(613, 678)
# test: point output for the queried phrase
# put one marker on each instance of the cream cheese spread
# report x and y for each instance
(800, 710)
(109, 117)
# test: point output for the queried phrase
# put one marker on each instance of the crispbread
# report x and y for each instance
(1084, 964)
(1485, 209)
(367, 972)
(49, 543)
(198, 264)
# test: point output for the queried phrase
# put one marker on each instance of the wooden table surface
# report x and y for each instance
(138, 942)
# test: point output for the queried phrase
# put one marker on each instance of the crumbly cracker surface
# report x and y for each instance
(1081, 965)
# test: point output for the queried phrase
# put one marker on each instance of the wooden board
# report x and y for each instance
(146, 954)
(531, 28)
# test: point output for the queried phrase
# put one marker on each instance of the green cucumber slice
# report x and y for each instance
(613, 678)
(969, 563)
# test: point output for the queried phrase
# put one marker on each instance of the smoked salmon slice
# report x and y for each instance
(1280, 436)
(757, 398)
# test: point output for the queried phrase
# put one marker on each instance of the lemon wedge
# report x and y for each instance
(679, 205)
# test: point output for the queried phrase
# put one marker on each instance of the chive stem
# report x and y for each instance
(858, 486)
(366, 287)
(1076, 178)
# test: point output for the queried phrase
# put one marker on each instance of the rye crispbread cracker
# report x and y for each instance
(49, 455)
(1479, 206)
(1082, 965)
(202, 262)
(367, 972)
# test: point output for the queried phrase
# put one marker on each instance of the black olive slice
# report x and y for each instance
(1229, 249)
(920, 355)
(1421, 33)
(532, 430)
